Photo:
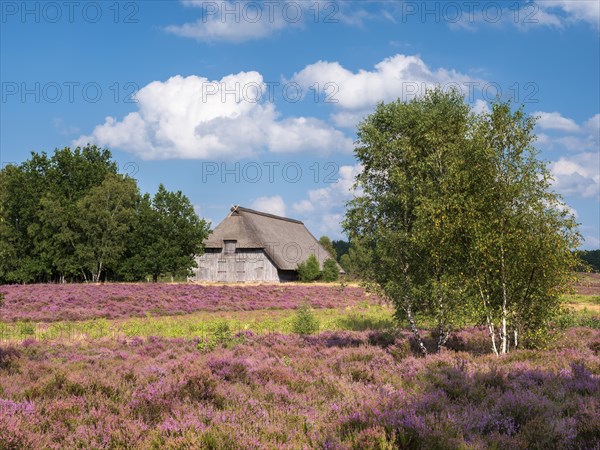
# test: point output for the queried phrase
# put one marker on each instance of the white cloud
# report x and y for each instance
(593, 124)
(195, 118)
(578, 175)
(233, 21)
(542, 13)
(198, 211)
(571, 11)
(323, 208)
(240, 21)
(237, 21)
(350, 119)
(555, 121)
(297, 134)
(481, 106)
(399, 76)
(567, 134)
(63, 128)
(563, 207)
(272, 205)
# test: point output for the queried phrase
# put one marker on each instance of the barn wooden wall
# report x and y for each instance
(245, 265)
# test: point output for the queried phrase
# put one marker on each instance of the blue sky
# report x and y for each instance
(256, 103)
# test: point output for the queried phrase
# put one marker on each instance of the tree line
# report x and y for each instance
(591, 259)
(72, 217)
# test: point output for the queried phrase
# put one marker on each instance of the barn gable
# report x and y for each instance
(244, 235)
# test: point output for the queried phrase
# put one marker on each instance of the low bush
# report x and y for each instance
(330, 271)
(309, 270)
(304, 321)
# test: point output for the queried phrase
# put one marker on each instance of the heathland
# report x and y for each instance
(280, 366)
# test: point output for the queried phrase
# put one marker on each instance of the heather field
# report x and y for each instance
(183, 366)
(55, 302)
(335, 390)
(588, 284)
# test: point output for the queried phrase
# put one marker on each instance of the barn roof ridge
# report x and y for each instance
(260, 213)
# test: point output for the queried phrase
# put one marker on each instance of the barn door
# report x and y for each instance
(240, 270)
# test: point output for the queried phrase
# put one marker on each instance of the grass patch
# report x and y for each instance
(581, 310)
(204, 325)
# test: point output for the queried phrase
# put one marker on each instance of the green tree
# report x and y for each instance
(106, 215)
(351, 261)
(521, 236)
(167, 236)
(328, 245)
(331, 271)
(71, 217)
(38, 211)
(346, 263)
(341, 248)
(400, 227)
(456, 217)
(309, 270)
(591, 258)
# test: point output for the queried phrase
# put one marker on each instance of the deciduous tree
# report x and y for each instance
(456, 217)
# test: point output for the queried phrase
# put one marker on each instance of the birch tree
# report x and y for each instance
(456, 217)
(521, 234)
(402, 222)
(106, 216)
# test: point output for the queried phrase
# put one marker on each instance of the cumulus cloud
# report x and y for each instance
(195, 118)
(396, 76)
(481, 106)
(565, 134)
(323, 209)
(577, 170)
(555, 121)
(593, 124)
(399, 76)
(578, 175)
(272, 205)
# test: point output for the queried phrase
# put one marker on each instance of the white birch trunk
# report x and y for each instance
(415, 331)
(504, 333)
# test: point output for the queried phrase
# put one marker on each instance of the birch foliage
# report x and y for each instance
(456, 218)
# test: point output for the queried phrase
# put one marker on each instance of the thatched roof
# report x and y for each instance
(286, 241)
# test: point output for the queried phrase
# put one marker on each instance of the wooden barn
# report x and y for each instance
(253, 246)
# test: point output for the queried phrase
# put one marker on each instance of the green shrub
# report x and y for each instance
(304, 321)
(222, 332)
(568, 318)
(345, 262)
(26, 328)
(330, 270)
(309, 270)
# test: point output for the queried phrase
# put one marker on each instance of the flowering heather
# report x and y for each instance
(338, 390)
(54, 302)
(588, 284)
